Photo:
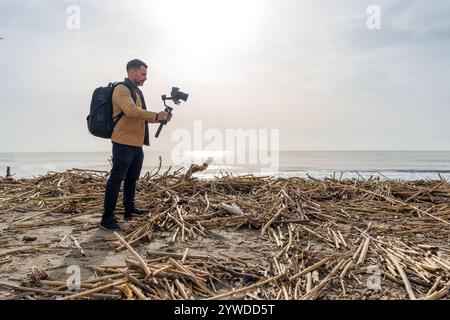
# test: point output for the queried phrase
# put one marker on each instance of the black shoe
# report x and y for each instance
(134, 213)
(110, 224)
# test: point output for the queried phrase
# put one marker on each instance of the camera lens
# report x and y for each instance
(178, 95)
(182, 96)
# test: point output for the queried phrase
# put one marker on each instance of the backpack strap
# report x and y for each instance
(133, 96)
(117, 119)
(130, 87)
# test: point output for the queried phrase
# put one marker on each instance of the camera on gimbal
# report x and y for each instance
(175, 95)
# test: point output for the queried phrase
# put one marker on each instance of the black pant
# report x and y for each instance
(127, 165)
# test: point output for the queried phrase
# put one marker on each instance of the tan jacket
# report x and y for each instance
(130, 130)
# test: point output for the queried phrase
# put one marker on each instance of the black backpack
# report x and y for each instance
(100, 120)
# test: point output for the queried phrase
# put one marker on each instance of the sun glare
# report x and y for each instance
(202, 29)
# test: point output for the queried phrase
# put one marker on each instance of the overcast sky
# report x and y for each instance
(309, 68)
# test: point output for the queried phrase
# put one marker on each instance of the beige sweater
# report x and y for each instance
(130, 130)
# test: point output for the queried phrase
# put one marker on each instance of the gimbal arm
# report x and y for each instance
(169, 110)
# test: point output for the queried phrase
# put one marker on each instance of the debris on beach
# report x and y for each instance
(330, 238)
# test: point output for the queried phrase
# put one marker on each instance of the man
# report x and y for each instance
(128, 137)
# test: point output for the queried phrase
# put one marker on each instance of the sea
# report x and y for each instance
(398, 165)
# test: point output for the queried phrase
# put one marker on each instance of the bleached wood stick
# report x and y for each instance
(363, 254)
(253, 286)
(267, 225)
(310, 268)
(136, 255)
(308, 282)
(180, 288)
(402, 273)
(11, 251)
(347, 267)
(342, 239)
(53, 292)
(174, 255)
(358, 250)
(18, 222)
(233, 210)
(185, 255)
(95, 290)
(137, 292)
(433, 288)
(77, 245)
(438, 294)
(314, 293)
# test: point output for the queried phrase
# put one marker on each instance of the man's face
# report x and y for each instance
(138, 76)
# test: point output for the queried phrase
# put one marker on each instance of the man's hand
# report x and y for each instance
(164, 116)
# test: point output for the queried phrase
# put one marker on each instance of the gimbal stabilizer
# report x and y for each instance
(176, 95)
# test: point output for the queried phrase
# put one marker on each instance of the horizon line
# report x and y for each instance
(282, 150)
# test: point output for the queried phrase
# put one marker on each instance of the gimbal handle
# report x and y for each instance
(169, 110)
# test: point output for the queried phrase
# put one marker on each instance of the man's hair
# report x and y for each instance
(135, 64)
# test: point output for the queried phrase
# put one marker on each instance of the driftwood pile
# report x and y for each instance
(329, 236)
